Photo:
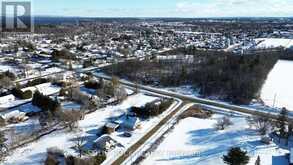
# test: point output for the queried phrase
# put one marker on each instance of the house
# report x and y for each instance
(266, 140)
(15, 117)
(105, 143)
(7, 99)
(129, 122)
(111, 127)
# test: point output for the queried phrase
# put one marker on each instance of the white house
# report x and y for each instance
(105, 143)
(129, 122)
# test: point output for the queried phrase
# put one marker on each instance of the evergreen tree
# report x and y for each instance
(236, 156)
(281, 123)
(257, 162)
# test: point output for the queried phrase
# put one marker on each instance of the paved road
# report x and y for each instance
(204, 102)
(130, 152)
(126, 158)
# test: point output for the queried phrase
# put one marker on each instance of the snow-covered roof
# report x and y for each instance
(6, 99)
(11, 114)
(112, 125)
(129, 121)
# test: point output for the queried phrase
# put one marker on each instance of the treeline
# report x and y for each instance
(152, 109)
(22, 94)
(9, 75)
(63, 54)
(228, 76)
(36, 81)
(45, 103)
(287, 55)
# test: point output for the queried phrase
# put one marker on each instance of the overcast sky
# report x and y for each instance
(164, 8)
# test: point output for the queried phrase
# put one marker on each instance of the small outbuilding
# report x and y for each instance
(111, 127)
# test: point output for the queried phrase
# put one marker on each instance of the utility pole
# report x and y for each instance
(275, 98)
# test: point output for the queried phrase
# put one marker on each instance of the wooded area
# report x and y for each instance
(230, 77)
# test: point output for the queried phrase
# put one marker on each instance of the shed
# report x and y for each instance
(111, 127)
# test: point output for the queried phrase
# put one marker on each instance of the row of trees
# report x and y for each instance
(63, 54)
(45, 102)
(231, 77)
(152, 109)
(288, 55)
(20, 94)
(37, 81)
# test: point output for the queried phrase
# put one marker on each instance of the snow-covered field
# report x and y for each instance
(195, 141)
(279, 85)
(274, 42)
(35, 153)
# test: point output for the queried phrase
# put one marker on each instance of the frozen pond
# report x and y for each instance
(279, 86)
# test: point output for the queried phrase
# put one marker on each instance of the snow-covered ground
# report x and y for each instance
(35, 153)
(46, 89)
(195, 141)
(274, 42)
(4, 68)
(279, 85)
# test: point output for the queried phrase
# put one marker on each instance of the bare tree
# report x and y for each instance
(6, 82)
(222, 123)
(70, 118)
(260, 123)
(79, 144)
(3, 146)
(115, 82)
(120, 93)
